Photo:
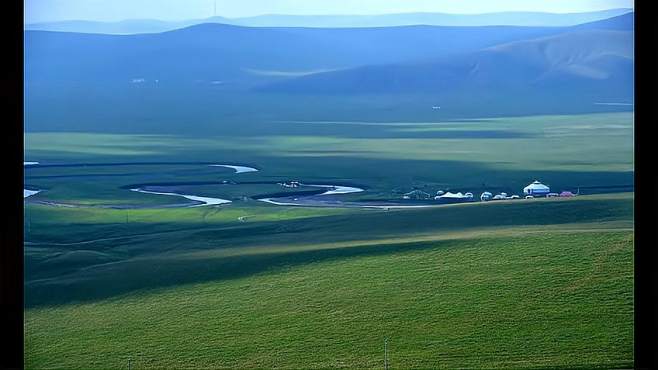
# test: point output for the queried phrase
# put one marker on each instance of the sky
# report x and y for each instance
(114, 10)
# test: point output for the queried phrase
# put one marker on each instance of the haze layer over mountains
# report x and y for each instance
(210, 74)
(536, 19)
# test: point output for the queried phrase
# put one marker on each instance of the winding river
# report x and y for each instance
(200, 201)
(327, 195)
(312, 200)
(203, 201)
(29, 192)
(238, 169)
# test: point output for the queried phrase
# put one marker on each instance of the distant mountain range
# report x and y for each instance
(593, 62)
(533, 19)
(218, 72)
(239, 57)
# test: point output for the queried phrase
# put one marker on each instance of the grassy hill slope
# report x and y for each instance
(550, 300)
(105, 253)
(239, 56)
(571, 69)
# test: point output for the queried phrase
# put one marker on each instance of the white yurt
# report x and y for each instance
(536, 188)
(450, 195)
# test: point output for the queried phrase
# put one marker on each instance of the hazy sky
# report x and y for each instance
(111, 10)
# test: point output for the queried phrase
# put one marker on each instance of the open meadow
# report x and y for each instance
(114, 276)
(592, 152)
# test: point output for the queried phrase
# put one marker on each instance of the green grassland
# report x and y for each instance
(547, 283)
(566, 152)
(551, 299)
(543, 283)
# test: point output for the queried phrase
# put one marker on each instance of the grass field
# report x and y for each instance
(567, 152)
(448, 286)
(543, 283)
(551, 299)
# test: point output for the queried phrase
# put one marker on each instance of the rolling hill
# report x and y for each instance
(537, 19)
(572, 57)
(218, 73)
(243, 55)
(585, 66)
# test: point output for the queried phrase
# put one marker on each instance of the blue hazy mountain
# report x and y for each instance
(590, 64)
(209, 75)
(124, 27)
(236, 56)
(535, 19)
(624, 22)
(531, 19)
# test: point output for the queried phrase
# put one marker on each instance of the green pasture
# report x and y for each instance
(68, 250)
(567, 152)
(552, 299)
(542, 283)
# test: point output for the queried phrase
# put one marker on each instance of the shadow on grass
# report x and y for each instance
(115, 279)
(156, 262)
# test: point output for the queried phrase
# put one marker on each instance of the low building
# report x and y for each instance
(458, 195)
(536, 188)
(416, 194)
(449, 198)
(501, 196)
(567, 194)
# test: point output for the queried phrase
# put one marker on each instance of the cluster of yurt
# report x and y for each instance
(503, 196)
(535, 189)
(487, 196)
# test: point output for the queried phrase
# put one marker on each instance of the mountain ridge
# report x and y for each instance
(224, 52)
(209, 75)
(135, 26)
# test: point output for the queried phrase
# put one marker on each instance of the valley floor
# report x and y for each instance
(542, 283)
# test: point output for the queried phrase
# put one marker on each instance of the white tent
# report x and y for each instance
(456, 195)
(536, 188)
